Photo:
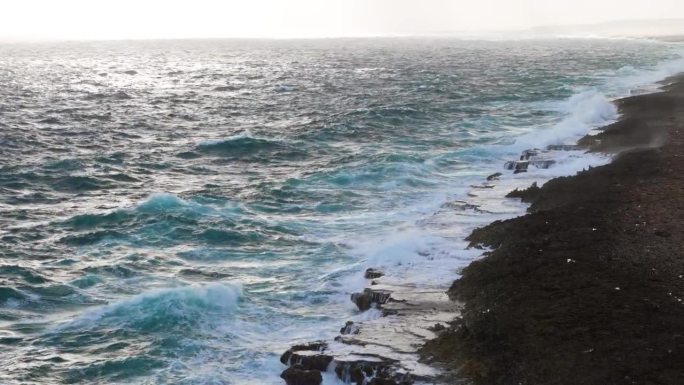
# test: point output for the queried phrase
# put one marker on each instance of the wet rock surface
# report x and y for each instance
(494, 176)
(373, 273)
(370, 297)
(349, 328)
(379, 351)
(538, 158)
(526, 195)
(297, 375)
(584, 290)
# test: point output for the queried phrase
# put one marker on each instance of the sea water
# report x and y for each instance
(183, 211)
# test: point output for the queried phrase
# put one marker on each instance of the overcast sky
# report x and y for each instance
(123, 19)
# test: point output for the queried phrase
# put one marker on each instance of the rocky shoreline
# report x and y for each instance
(588, 288)
(554, 277)
(403, 315)
(380, 352)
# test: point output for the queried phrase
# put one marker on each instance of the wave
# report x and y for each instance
(163, 310)
(79, 184)
(592, 109)
(8, 294)
(156, 203)
(26, 274)
(246, 146)
(164, 202)
(583, 111)
(119, 95)
(88, 221)
(118, 370)
(165, 219)
(68, 164)
(91, 238)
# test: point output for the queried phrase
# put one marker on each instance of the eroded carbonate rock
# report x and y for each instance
(366, 299)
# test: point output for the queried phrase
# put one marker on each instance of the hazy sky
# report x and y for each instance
(117, 19)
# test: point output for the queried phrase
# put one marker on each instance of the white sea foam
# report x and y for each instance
(583, 112)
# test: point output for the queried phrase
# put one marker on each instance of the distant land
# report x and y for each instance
(668, 29)
(621, 28)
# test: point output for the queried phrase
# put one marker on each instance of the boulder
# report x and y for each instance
(368, 297)
(527, 154)
(317, 346)
(522, 166)
(311, 361)
(297, 375)
(349, 328)
(494, 176)
(373, 273)
(516, 166)
(382, 372)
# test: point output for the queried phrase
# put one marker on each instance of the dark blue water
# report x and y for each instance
(179, 212)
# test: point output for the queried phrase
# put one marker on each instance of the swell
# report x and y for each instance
(246, 147)
(159, 310)
(166, 220)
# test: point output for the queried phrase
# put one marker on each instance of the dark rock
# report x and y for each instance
(317, 346)
(527, 195)
(373, 273)
(311, 361)
(516, 166)
(494, 176)
(296, 375)
(354, 372)
(131, 72)
(522, 166)
(462, 206)
(371, 372)
(351, 341)
(368, 297)
(437, 327)
(527, 154)
(349, 328)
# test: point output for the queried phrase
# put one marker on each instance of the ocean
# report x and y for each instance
(183, 211)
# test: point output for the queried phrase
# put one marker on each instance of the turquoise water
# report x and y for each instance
(182, 211)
